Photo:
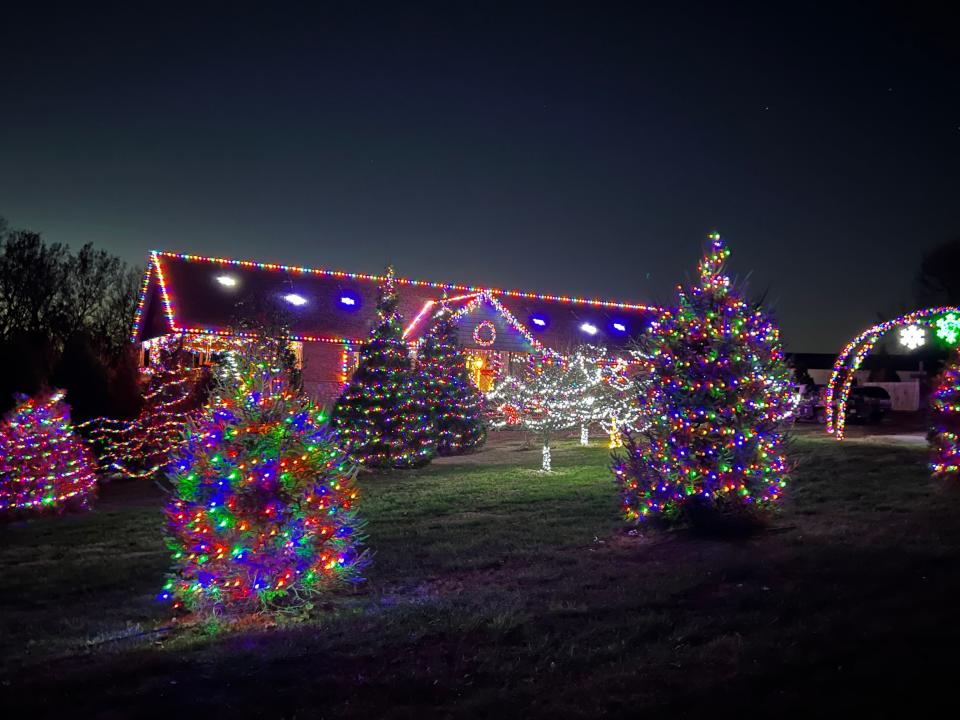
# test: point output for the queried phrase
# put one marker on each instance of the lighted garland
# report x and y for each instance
(43, 464)
(851, 357)
(155, 270)
(263, 513)
(717, 402)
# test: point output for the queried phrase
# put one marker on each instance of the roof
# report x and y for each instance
(196, 294)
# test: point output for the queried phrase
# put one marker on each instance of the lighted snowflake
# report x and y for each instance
(948, 328)
(912, 337)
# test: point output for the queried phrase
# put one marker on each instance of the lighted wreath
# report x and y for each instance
(485, 334)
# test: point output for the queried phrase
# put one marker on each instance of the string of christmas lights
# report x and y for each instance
(853, 354)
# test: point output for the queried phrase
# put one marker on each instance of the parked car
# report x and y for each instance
(868, 404)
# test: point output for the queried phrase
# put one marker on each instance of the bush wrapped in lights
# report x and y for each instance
(717, 401)
(452, 397)
(43, 464)
(263, 511)
(382, 414)
(944, 436)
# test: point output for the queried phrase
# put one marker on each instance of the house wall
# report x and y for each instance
(321, 370)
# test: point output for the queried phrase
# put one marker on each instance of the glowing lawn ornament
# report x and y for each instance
(948, 328)
(912, 337)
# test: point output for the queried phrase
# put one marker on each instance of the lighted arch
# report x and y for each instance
(853, 355)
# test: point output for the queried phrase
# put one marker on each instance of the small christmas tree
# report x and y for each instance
(43, 464)
(262, 514)
(717, 402)
(453, 398)
(382, 415)
(548, 401)
(944, 436)
(173, 396)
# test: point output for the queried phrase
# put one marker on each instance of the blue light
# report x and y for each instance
(539, 320)
(619, 326)
(589, 328)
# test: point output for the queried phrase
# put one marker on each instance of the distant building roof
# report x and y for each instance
(194, 294)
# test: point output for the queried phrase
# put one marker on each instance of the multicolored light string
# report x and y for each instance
(853, 354)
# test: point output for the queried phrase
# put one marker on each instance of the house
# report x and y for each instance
(330, 314)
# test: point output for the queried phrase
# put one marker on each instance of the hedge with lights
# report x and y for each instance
(263, 510)
(944, 436)
(43, 464)
(382, 415)
(454, 400)
(718, 402)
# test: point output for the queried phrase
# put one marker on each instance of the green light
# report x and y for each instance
(948, 328)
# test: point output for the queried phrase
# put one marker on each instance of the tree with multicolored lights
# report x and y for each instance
(43, 464)
(453, 398)
(263, 514)
(718, 402)
(382, 415)
(944, 436)
(545, 402)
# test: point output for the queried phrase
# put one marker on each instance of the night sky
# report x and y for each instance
(573, 148)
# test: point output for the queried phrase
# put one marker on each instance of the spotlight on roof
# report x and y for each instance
(619, 327)
(347, 300)
(539, 320)
(589, 329)
(295, 299)
(227, 280)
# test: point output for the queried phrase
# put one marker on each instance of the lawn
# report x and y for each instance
(499, 591)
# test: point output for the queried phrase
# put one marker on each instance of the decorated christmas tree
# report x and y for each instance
(718, 401)
(43, 464)
(944, 433)
(172, 396)
(548, 400)
(263, 508)
(451, 395)
(382, 415)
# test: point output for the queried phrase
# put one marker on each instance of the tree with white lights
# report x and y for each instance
(547, 401)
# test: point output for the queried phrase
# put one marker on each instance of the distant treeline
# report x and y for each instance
(65, 322)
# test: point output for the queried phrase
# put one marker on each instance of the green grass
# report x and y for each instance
(498, 590)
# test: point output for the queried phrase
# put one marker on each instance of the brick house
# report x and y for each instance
(331, 313)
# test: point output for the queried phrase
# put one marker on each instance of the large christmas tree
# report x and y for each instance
(718, 401)
(944, 434)
(382, 414)
(451, 395)
(262, 514)
(43, 464)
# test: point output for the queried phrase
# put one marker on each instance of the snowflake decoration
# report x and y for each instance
(912, 337)
(948, 328)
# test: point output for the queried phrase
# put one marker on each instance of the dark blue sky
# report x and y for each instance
(574, 148)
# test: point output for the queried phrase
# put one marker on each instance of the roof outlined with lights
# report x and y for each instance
(194, 294)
